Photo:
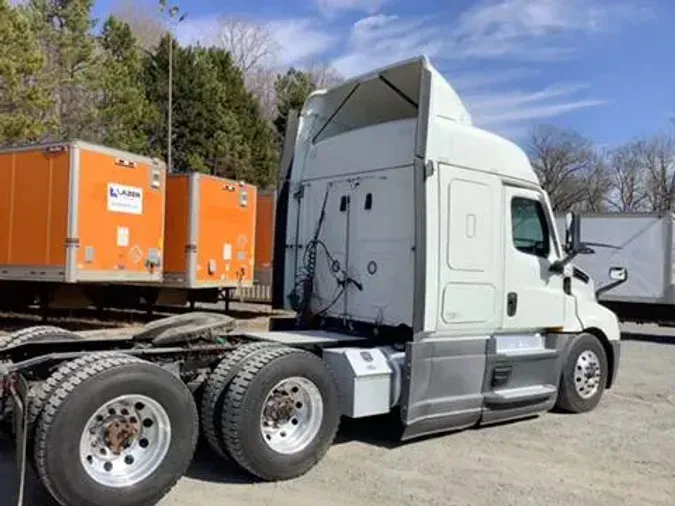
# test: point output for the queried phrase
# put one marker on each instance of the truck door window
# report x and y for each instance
(529, 227)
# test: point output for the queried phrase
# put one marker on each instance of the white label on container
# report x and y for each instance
(122, 237)
(125, 199)
(227, 251)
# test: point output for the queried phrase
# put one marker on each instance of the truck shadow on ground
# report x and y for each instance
(648, 338)
(34, 493)
(379, 431)
(382, 431)
(206, 465)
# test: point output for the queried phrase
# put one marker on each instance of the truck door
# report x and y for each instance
(534, 295)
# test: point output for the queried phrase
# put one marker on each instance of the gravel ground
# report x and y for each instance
(623, 453)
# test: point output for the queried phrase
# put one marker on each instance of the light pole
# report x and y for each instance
(174, 19)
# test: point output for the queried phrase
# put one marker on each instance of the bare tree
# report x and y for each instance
(629, 193)
(250, 43)
(145, 24)
(323, 75)
(255, 51)
(569, 169)
(657, 155)
(597, 185)
(260, 82)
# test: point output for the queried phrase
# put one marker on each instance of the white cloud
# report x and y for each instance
(509, 115)
(521, 36)
(379, 40)
(300, 40)
(511, 111)
(333, 6)
(472, 80)
(532, 31)
(509, 99)
(509, 27)
(197, 30)
(525, 30)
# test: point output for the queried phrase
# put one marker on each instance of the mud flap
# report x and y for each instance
(19, 390)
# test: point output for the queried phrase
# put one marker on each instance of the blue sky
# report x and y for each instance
(601, 67)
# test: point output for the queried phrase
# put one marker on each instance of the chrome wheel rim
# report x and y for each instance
(125, 441)
(587, 374)
(291, 415)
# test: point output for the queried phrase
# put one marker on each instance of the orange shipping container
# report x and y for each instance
(264, 236)
(73, 212)
(210, 232)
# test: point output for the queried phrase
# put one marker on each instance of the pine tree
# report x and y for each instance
(63, 28)
(217, 124)
(261, 158)
(124, 113)
(23, 99)
(292, 89)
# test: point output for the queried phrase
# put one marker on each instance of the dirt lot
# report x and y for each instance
(623, 453)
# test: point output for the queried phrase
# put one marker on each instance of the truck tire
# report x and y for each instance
(31, 334)
(281, 413)
(39, 394)
(119, 432)
(214, 390)
(37, 334)
(584, 375)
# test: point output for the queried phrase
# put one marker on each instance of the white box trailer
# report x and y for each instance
(644, 244)
(421, 257)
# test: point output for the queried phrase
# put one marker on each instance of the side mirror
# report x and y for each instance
(618, 274)
(573, 234)
(573, 245)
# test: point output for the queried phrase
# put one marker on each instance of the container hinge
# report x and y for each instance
(191, 248)
(299, 193)
(129, 164)
(429, 169)
(153, 260)
(56, 149)
(72, 241)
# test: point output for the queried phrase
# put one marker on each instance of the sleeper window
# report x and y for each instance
(529, 227)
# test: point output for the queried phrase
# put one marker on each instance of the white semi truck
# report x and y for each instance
(421, 258)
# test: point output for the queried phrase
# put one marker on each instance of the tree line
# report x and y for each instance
(637, 176)
(65, 75)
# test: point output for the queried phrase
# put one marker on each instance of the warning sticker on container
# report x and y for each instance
(125, 199)
(122, 237)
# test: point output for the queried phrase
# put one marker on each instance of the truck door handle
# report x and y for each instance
(511, 303)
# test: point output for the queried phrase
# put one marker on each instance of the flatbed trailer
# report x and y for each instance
(420, 258)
